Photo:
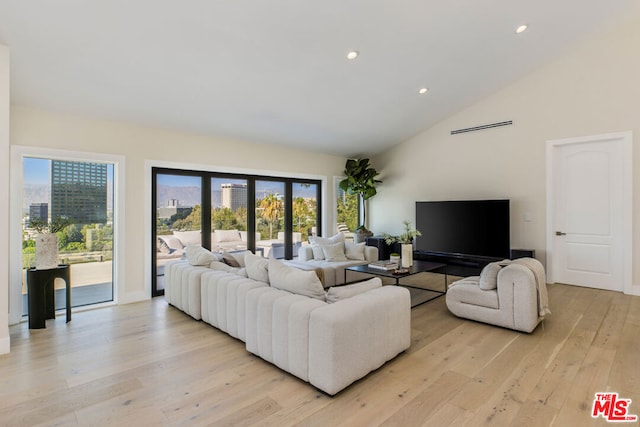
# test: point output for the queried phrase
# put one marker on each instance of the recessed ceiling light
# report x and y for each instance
(521, 28)
(423, 91)
(353, 54)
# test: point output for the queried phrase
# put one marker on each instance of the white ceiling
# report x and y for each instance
(274, 71)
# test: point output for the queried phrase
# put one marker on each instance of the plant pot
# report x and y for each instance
(395, 259)
(361, 235)
(46, 251)
(407, 255)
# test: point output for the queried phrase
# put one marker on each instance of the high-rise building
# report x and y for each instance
(234, 196)
(39, 211)
(79, 191)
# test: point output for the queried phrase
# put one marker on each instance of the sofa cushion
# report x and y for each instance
(257, 267)
(227, 235)
(294, 280)
(337, 293)
(197, 255)
(354, 250)
(334, 252)
(489, 276)
(189, 237)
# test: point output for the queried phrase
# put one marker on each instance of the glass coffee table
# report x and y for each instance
(419, 295)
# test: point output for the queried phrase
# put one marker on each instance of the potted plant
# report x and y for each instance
(360, 179)
(47, 240)
(394, 257)
(406, 242)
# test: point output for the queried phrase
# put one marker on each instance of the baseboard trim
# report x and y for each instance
(5, 345)
(131, 297)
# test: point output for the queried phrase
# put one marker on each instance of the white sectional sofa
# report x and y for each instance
(329, 338)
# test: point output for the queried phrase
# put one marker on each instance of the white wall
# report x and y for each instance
(593, 89)
(4, 199)
(144, 146)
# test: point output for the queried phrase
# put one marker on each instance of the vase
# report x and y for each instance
(46, 251)
(407, 255)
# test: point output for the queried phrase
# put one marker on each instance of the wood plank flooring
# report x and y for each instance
(148, 364)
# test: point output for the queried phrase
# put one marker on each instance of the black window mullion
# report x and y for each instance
(205, 211)
(288, 219)
(154, 233)
(251, 214)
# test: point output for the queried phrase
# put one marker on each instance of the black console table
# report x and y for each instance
(41, 294)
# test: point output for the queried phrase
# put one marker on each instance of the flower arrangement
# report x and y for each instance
(405, 238)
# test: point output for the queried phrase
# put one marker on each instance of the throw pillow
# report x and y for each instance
(337, 238)
(320, 274)
(257, 267)
(163, 247)
(489, 276)
(230, 260)
(337, 293)
(294, 280)
(334, 252)
(354, 251)
(172, 241)
(318, 252)
(197, 255)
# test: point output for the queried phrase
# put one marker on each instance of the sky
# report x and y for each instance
(194, 181)
(38, 171)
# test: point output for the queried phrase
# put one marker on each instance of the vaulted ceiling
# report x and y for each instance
(277, 71)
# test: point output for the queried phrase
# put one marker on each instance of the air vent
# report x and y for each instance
(482, 127)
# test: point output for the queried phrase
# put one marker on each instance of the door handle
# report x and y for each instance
(560, 233)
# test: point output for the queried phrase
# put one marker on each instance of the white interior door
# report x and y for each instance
(588, 214)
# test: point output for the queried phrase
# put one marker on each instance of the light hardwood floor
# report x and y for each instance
(149, 364)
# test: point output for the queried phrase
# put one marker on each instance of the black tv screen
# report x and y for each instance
(464, 227)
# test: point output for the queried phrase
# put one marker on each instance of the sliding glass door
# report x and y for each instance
(223, 212)
(177, 200)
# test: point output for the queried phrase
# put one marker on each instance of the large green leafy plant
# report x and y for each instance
(360, 178)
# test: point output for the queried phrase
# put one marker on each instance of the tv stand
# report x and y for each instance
(457, 264)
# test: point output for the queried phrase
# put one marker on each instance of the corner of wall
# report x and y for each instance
(5, 340)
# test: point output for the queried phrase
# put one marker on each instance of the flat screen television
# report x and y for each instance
(464, 227)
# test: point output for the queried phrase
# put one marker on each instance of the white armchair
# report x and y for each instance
(511, 294)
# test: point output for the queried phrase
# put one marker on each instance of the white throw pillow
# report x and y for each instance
(337, 293)
(337, 238)
(197, 255)
(294, 280)
(489, 276)
(334, 252)
(257, 267)
(354, 251)
(318, 252)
